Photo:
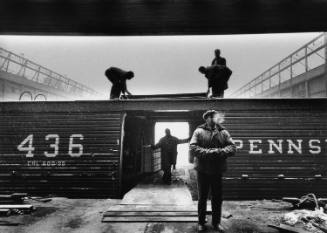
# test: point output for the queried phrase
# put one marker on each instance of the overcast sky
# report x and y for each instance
(162, 64)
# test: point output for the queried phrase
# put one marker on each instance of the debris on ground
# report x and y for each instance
(305, 219)
(14, 198)
(284, 227)
(15, 203)
(227, 215)
(309, 201)
(18, 209)
(40, 199)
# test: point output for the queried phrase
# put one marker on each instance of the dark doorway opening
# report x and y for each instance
(142, 129)
(181, 130)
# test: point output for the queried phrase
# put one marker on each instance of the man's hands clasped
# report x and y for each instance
(223, 152)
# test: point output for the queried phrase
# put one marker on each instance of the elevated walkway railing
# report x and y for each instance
(304, 59)
(18, 65)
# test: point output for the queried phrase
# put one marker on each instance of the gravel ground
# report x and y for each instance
(84, 216)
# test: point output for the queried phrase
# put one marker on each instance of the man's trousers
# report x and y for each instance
(218, 93)
(167, 174)
(206, 182)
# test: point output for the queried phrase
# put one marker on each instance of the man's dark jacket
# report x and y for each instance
(219, 61)
(117, 77)
(168, 145)
(203, 144)
(217, 76)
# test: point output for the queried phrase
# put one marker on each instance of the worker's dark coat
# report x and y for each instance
(217, 76)
(219, 61)
(117, 77)
(168, 145)
(202, 145)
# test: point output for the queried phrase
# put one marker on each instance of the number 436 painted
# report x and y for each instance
(74, 150)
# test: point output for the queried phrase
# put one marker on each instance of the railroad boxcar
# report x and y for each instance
(96, 148)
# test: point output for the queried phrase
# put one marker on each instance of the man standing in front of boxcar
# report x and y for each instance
(210, 146)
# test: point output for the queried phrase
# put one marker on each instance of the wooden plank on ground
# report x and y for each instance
(287, 228)
(132, 207)
(149, 213)
(150, 219)
(5, 212)
(28, 207)
(7, 223)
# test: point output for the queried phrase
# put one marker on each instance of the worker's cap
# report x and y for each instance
(129, 74)
(202, 69)
(107, 72)
(217, 50)
(209, 113)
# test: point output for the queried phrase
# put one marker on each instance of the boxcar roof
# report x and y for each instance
(164, 104)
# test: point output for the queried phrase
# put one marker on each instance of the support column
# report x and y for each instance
(306, 89)
(2, 90)
(325, 73)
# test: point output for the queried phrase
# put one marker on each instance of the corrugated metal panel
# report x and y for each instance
(259, 124)
(70, 153)
(264, 188)
(288, 170)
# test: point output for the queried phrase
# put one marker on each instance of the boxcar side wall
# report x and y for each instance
(75, 148)
(280, 153)
(72, 153)
(282, 146)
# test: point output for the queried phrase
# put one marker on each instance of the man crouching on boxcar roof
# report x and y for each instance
(118, 79)
(210, 146)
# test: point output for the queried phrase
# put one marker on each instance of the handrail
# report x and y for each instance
(286, 64)
(14, 63)
(25, 92)
(35, 98)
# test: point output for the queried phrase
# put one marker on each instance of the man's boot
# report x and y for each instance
(202, 227)
(218, 228)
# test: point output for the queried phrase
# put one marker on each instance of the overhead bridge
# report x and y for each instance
(23, 79)
(95, 148)
(302, 74)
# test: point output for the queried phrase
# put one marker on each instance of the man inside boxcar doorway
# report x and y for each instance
(118, 79)
(210, 146)
(168, 145)
(218, 75)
